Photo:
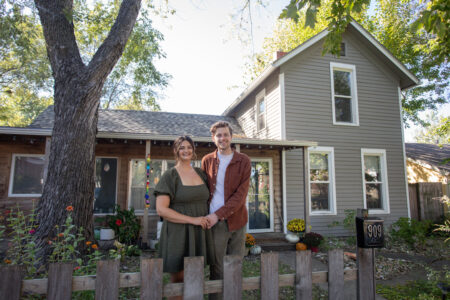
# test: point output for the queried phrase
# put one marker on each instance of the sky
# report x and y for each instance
(206, 58)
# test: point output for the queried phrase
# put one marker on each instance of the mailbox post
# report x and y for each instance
(369, 235)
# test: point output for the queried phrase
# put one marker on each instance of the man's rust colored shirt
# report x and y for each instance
(237, 180)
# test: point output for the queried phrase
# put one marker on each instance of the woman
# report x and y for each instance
(181, 199)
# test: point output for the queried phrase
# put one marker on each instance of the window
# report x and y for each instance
(259, 198)
(105, 194)
(344, 96)
(138, 180)
(27, 175)
(261, 110)
(322, 193)
(375, 185)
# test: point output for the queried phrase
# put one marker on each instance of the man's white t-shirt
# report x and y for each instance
(218, 199)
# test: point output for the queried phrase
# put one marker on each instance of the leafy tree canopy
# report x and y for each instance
(392, 22)
(437, 131)
(26, 82)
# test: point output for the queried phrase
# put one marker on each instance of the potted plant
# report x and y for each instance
(313, 240)
(125, 224)
(249, 242)
(297, 228)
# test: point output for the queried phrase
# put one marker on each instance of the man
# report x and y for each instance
(228, 174)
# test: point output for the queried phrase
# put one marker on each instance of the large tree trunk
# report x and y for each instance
(77, 91)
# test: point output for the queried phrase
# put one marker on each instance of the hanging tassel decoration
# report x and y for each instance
(147, 187)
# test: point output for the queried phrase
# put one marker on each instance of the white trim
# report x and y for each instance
(11, 175)
(117, 183)
(354, 94)
(332, 181)
(385, 186)
(283, 166)
(271, 229)
(385, 52)
(261, 96)
(283, 107)
(404, 151)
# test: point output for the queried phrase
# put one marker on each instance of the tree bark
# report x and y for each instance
(77, 92)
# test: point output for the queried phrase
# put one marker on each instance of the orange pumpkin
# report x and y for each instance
(300, 246)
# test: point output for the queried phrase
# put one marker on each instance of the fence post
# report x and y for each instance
(303, 275)
(232, 277)
(107, 280)
(10, 282)
(365, 262)
(151, 278)
(269, 276)
(193, 278)
(335, 274)
(59, 284)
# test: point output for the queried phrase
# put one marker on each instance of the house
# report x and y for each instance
(324, 135)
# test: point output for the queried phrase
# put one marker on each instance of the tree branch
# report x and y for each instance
(112, 47)
(57, 23)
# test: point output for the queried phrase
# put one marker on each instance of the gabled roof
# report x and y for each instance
(407, 79)
(152, 125)
(429, 154)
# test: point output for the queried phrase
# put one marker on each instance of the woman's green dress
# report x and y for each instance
(180, 240)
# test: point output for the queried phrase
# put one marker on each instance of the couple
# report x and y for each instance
(202, 221)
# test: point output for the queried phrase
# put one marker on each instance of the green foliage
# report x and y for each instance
(437, 130)
(312, 239)
(123, 251)
(125, 225)
(410, 231)
(418, 289)
(348, 222)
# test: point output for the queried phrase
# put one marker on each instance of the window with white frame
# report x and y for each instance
(321, 180)
(259, 198)
(261, 110)
(105, 194)
(27, 175)
(375, 182)
(344, 94)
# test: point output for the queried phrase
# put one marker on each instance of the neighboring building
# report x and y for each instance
(428, 163)
(335, 120)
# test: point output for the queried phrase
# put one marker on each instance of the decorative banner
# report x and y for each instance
(147, 186)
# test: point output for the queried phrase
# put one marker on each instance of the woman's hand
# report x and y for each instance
(200, 221)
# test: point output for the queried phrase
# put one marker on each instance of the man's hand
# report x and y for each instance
(212, 220)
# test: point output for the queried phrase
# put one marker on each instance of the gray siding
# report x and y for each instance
(245, 113)
(308, 109)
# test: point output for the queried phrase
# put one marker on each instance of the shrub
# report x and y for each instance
(312, 239)
(410, 231)
(125, 225)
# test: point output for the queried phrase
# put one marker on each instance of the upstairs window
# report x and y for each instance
(344, 95)
(261, 110)
(27, 175)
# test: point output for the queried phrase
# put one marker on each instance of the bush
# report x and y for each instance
(312, 239)
(125, 225)
(410, 231)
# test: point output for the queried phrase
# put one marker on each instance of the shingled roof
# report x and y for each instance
(148, 122)
(430, 154)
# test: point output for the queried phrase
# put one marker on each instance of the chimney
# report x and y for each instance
(279, 54)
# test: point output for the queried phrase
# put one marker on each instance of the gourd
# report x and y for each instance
(255, 250)
(292, 238)
(300, 247)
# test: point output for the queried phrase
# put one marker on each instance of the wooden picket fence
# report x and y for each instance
(60, 283)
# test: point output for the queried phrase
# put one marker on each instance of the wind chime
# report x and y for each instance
(147, 187)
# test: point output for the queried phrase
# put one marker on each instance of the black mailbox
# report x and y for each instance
(369, 232)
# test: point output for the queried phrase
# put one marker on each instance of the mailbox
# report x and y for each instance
(369, 232)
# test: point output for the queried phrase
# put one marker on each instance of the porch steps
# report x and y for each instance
(273, 241)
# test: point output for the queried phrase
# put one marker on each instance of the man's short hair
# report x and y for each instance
(220, 124)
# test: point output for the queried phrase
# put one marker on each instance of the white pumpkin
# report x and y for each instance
(292, 238)
(255, 250)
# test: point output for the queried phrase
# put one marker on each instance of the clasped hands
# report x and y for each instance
(208, 221)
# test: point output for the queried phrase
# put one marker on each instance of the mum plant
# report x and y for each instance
(249, 240)
(296, 225)
(125, 225)
(312, 239)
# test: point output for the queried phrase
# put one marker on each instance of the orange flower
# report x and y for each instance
(7, 261)
(49, 242)
(69, 208)
(76, 268)
(95, 246)
(61, 234)
(88, 243)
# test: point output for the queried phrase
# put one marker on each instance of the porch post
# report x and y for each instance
(238, 147)
(145, 217)
(306, 185)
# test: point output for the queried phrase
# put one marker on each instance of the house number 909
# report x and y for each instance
(374, 231)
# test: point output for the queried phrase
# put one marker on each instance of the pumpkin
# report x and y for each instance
(300, 246)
